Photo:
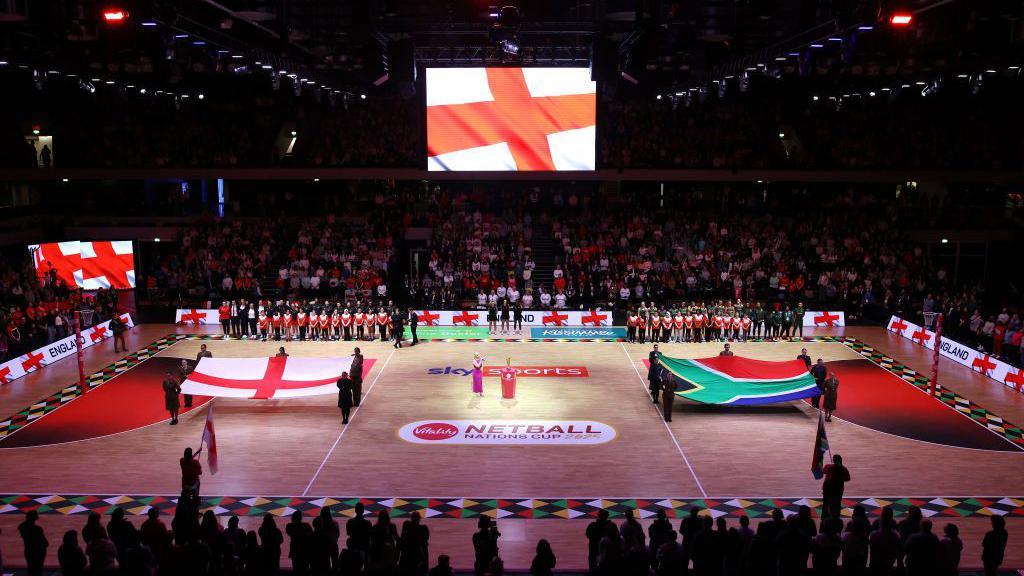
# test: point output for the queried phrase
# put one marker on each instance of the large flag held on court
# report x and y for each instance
(820, 447)
(736, 380)
(266, 378)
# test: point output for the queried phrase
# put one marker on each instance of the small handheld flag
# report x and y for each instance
(210, 440)
(820, 447)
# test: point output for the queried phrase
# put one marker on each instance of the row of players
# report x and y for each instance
(312, 320)
(719, 321)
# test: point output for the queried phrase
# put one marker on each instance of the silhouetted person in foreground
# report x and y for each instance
(35, 542)
(994, 545)
(544, 560)
(485, 545)
(70, 555)
(836, 477)
(272, 540)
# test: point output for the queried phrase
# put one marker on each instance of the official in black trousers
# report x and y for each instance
(357, 377)
(414, 320)
(654, 373)
(820, 372)
(345, 396)
(397, 328)
(203, 353)
(668, 393)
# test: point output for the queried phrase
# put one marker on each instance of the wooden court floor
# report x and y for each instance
(299, 447)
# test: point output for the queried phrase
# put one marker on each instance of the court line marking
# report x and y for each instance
(1016, 452)
(89, 388)
(351, 418)
(953, 408)
(492, 497)
(667, 428)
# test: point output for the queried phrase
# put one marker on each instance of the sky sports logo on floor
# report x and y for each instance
(521, 371)
(609, 333)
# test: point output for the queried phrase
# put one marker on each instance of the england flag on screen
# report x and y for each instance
(510, 119)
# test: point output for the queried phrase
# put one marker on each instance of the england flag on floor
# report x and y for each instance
(266, 378)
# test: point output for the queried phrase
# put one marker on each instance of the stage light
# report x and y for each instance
(901, 19)
(65, 180)
(156, 239)
(872, 94)
(202, 96)
(362, 96)
(316, 179)
(35, 131)
(815, 98)
(945, 240)
(962, 76)
(115, 15)
(865, 28)
(237, 56)
(658, 97)
(142, 91)
(782, 135)
(990, 71)
(817, 45)
(149, 24)
(294, 133)
(180, 36)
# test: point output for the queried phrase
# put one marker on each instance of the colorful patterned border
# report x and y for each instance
(22, 418)
(533, 508)
(982, 416)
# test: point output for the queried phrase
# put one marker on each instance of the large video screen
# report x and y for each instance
(510, 119)
(88, 265)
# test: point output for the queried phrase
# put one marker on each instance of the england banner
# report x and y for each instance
(266, 378)
(41, 357)
(87, 265)
(826, 319)
(511, 119)
(197, 316)
(977, 361)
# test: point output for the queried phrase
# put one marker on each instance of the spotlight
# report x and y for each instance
(115, 15)
(901, 19)
(945, 240)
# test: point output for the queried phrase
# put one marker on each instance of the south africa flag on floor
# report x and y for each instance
(741, 381)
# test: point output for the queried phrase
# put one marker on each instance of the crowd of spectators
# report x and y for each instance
(35, 311)
(198, 545)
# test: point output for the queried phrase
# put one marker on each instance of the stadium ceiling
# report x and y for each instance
(340, 42)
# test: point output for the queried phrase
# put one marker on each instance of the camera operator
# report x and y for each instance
(485, 544)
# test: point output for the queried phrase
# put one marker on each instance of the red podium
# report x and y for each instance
(508, 382)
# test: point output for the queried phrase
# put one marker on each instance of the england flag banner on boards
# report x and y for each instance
(976, 360)
(511, 119)
(266, 378)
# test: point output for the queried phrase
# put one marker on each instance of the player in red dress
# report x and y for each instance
(383, 320)
(336, 324)
(264, 324)
(346, 325)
